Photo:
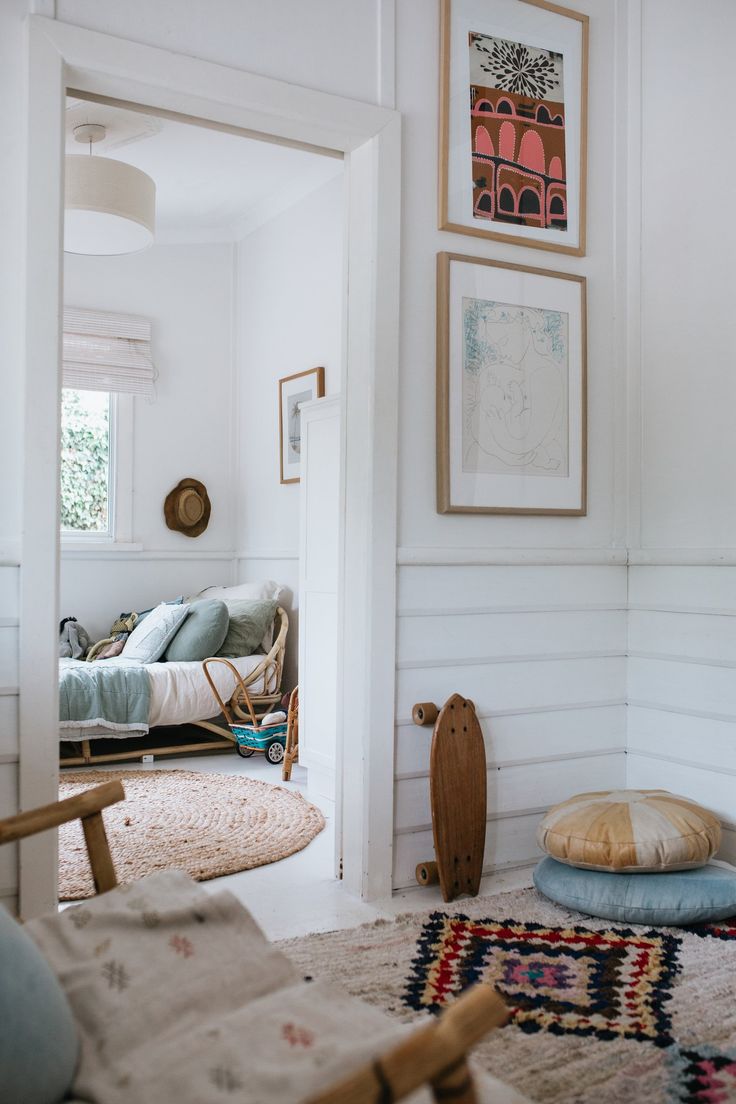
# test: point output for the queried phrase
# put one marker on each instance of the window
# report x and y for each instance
(106, 362)
(87, 462)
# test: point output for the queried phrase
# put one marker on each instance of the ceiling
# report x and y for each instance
(211, 186)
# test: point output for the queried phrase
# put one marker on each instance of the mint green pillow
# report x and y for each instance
(249, 619)
(39, 1045)
(201, 634)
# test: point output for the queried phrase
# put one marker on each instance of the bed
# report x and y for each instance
(177, 693)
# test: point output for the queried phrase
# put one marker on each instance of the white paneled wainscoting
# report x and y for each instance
(682, 683)
(9, 572)
(540, 647)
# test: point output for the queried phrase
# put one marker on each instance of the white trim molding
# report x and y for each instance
(502, 557)
(62, 56)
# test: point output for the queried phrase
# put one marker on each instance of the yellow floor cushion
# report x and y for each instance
(630, 831)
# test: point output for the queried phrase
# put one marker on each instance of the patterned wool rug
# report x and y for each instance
(208, 824)
(601, 1013)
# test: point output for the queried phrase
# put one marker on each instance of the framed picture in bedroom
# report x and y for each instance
(511, 389)
(293, 391)
(513, 120)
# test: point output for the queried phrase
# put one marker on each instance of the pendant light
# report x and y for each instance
(109, 206)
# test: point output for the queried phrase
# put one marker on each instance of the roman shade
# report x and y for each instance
(107, 352)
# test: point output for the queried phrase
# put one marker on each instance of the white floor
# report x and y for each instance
(301, 894)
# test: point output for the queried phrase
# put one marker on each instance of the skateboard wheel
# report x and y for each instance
(427, 873)
(424, 713)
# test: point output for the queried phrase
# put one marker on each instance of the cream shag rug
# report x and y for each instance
(602, 1013)
(207, 824)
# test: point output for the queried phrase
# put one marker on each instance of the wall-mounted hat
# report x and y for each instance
(187, 508)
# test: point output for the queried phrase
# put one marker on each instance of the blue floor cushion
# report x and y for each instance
(38, 1041)
(674, 897)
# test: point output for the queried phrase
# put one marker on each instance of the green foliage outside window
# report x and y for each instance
(85, 460)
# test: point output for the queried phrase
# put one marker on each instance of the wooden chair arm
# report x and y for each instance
(86, 806)
(435, 1054)
(60, 812)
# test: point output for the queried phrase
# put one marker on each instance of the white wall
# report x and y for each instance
(188, 430)
(682, 632)
(12, 151)
(289, 318)
(524, 615)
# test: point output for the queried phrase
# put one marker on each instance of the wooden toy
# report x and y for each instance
(457, 785)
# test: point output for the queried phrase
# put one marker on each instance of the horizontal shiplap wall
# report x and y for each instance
(9, 574)
(682, 686)
(540, 649)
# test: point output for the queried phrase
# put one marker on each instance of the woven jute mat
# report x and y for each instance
(208, 824)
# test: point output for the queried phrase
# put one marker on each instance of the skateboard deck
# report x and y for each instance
(457, 784)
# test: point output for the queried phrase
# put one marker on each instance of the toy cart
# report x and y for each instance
(249, 736)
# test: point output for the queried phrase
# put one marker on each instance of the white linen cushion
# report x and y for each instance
(150, 639)
(267, 588)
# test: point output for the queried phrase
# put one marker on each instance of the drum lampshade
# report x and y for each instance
(109, 207)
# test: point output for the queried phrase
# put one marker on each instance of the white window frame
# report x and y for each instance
(120, 484)
(61, 57)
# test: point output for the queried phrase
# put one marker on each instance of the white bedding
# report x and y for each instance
(180, 694)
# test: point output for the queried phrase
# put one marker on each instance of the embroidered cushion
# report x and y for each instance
(673, 897)
(150, 639)
(39, 1046)
(630, 830)
(201, 634)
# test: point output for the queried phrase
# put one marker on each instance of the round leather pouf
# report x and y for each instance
(630, 830)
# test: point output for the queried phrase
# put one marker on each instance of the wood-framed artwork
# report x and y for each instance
(293, 391)
(511, 388)
(513, 122)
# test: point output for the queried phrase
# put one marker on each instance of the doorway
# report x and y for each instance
(241, 290)
(63, 57)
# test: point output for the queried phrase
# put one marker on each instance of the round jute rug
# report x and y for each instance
(207, 824)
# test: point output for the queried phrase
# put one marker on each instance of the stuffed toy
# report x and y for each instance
(74, 641)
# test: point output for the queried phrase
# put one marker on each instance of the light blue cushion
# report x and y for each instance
(149, 640)
(674, 897)
(39, 1046)
(201, 634)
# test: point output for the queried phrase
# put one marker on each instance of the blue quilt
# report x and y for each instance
(115, 694)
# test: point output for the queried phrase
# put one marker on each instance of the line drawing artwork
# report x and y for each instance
(515, 383)
(294, 435)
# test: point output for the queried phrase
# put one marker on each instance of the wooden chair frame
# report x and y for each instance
(434, 1054)
(270, 667)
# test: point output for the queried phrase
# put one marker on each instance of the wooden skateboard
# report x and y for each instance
(457, 786)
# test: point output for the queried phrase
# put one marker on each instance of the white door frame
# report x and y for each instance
(62, 56)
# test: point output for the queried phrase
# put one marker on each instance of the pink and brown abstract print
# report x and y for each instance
(517, 121)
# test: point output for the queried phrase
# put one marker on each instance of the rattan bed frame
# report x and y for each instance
(271, 668)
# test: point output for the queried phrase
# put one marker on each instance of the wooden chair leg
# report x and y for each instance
(98, 849)
(455, 1084)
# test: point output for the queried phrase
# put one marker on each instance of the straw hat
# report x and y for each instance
(187, 508)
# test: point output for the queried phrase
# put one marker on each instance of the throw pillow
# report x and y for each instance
(149, 640)
(630, 830)
(266, 588)
(39, 1046)
(202, 633)
(672, 897)
(249, 620)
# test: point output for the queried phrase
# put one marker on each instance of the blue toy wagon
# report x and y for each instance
(271, 740)
(248, 734)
